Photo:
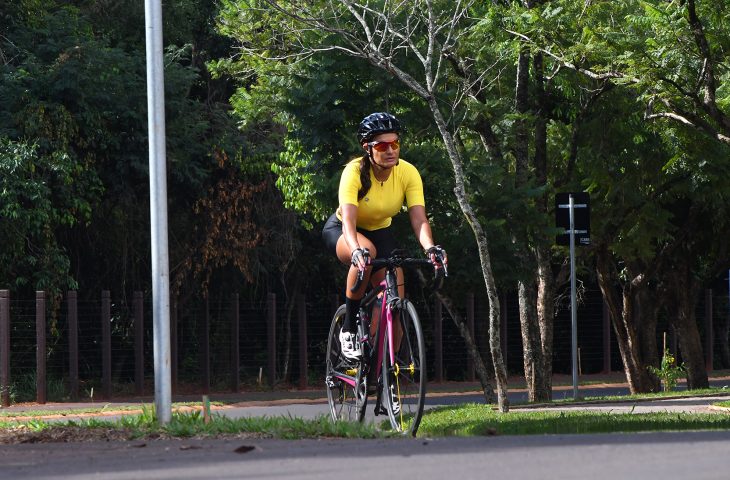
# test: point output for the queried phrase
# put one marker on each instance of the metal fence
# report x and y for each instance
(71, 348)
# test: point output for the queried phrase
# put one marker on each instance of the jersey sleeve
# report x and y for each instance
(414, 188)
(349, 184)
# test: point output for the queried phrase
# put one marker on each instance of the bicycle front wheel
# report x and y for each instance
(404, 375)
(346, 386)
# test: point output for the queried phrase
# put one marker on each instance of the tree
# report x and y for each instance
(407, 40)
(671, 56)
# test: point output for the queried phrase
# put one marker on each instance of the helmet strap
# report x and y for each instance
(372, 159)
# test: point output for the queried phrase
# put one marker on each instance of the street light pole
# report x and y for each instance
(158, 209)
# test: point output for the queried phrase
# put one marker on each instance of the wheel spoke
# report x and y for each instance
(404, 382)
(344, 400)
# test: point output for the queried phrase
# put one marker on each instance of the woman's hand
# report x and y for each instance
(438, 257)
(361, 258)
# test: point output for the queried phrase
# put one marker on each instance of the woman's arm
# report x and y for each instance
(349, 225)
(422, 229)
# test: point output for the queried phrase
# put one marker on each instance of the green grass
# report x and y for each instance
(703, 392)
(192, 424)
(472, 419)
(723, 404)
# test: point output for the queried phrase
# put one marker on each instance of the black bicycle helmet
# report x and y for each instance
(375, 124)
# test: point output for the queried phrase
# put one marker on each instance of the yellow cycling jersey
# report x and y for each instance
(384, 199)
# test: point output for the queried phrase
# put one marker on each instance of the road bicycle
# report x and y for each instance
(393, 361)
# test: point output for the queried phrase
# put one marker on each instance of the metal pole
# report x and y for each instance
(73, 343)
(573, 312)
(235, 344)
(5, 348)
(40, 346)
(303, 359)
(106, 344)
(138, 304)
(438, 342)
(158, 209)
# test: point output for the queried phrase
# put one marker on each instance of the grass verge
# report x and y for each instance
(472, 419)
(723, 404)
(182, 425)
(703, 392)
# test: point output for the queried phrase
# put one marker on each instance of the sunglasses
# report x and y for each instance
(383, 146)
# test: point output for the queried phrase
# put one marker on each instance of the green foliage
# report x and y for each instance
(23, 388)
(669, 372)
(185, 425)
(38, 194)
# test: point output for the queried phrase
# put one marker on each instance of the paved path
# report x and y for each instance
(667, 455)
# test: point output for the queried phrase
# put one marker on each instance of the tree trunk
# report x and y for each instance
(545, 279)
(646, 315)
(532, 356)
(723, 332)
(532, 351)
(684, 291)
(546, 316)
(500, 372)
(624, 319)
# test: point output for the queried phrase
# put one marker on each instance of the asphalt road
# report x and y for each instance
(687, 455)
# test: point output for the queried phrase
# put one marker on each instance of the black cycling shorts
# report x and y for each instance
(383, 238)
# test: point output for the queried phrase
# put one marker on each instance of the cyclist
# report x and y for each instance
(372, 190)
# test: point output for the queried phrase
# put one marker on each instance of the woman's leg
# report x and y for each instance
(352, 299)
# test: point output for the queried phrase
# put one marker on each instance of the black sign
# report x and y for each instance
(581, 217)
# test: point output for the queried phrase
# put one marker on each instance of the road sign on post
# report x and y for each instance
(572, 214)
(581, 218)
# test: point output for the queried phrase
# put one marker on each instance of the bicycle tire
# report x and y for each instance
(344, 402)
(407, 375)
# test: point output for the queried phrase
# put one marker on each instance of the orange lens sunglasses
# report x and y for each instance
(383, 146)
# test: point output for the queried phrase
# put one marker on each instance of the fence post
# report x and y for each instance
(138, 342)
(205, 349)
(606, 339)
(5, 347)
(303, 360)
(40, 346)
(438, 342)
(235, 346)
(709, 340)
(470, 325)
(271, 339)
(106, 344)
(173, 345)
(72, 317)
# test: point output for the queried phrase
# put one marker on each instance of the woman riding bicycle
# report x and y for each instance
(372, 191)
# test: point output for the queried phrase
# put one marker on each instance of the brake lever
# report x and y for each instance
(440, 259)
(358, 282)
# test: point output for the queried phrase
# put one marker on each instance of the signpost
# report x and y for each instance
(577, 226)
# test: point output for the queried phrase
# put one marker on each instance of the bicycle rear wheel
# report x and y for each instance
(346, 386)
(404, 378)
